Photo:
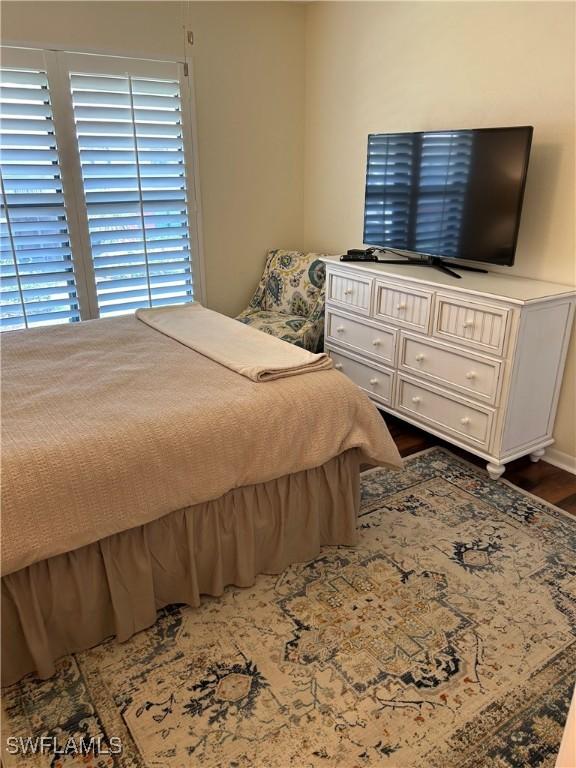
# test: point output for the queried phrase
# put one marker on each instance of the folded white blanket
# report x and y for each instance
(245, 350)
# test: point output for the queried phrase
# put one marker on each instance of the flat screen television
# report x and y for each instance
(450, 194)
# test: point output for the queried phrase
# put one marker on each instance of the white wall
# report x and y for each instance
(249, 76)
(403, 66)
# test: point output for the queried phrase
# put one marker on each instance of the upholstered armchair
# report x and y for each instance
(289, 300)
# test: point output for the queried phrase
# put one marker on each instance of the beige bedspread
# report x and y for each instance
(109, 424)
(248, 351)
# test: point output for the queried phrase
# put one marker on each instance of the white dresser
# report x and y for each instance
(476, 361)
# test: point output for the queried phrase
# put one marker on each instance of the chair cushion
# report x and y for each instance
(292, 282)
(285, 327)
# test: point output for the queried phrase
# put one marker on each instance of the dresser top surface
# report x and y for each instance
(507, 287)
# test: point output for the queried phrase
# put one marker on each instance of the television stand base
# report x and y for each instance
(433, 261)
(371, 255)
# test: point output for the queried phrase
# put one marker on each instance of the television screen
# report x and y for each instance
(447, 193)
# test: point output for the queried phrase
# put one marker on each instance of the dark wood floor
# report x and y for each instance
(542, 479)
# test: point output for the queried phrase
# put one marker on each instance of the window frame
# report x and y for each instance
(58, 63)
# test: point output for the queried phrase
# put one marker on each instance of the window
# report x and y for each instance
(36, 268)
(416, 188)
(444, 170)
(96, 187)
(388, 188)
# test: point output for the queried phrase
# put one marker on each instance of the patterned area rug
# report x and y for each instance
(446, 639)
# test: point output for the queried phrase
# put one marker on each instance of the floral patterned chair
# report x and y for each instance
(289, 300)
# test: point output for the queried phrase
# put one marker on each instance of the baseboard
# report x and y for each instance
(560, 459)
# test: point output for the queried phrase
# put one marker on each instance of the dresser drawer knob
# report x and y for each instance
(373, 382)
(348, 292)
(465, 420)
(376, 342)
(401, 306)
(340, 329)
(416, 400)
(468, 324)
(419, 357)
(471, 375)
(338, 366)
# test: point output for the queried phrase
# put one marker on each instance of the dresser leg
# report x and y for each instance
(495, 470)
(537, 455)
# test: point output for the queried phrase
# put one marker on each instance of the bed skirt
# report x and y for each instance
(115, 586)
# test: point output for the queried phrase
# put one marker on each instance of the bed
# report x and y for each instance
(138, 472)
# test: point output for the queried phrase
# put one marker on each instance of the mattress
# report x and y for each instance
(109, 425)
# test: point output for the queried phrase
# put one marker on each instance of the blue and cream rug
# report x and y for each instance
(446, 639)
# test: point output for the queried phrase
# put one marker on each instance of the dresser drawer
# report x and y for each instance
(478, 325)
(350, 332)
(374, 380)
(446, 412)
(470, 374)
(352, 292)
(406, 307)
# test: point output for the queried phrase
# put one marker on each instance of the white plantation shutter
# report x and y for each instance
(416, 190)
(37, 284)
(388, 181)
(130, 140)
(108, 160)
(444, 169)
